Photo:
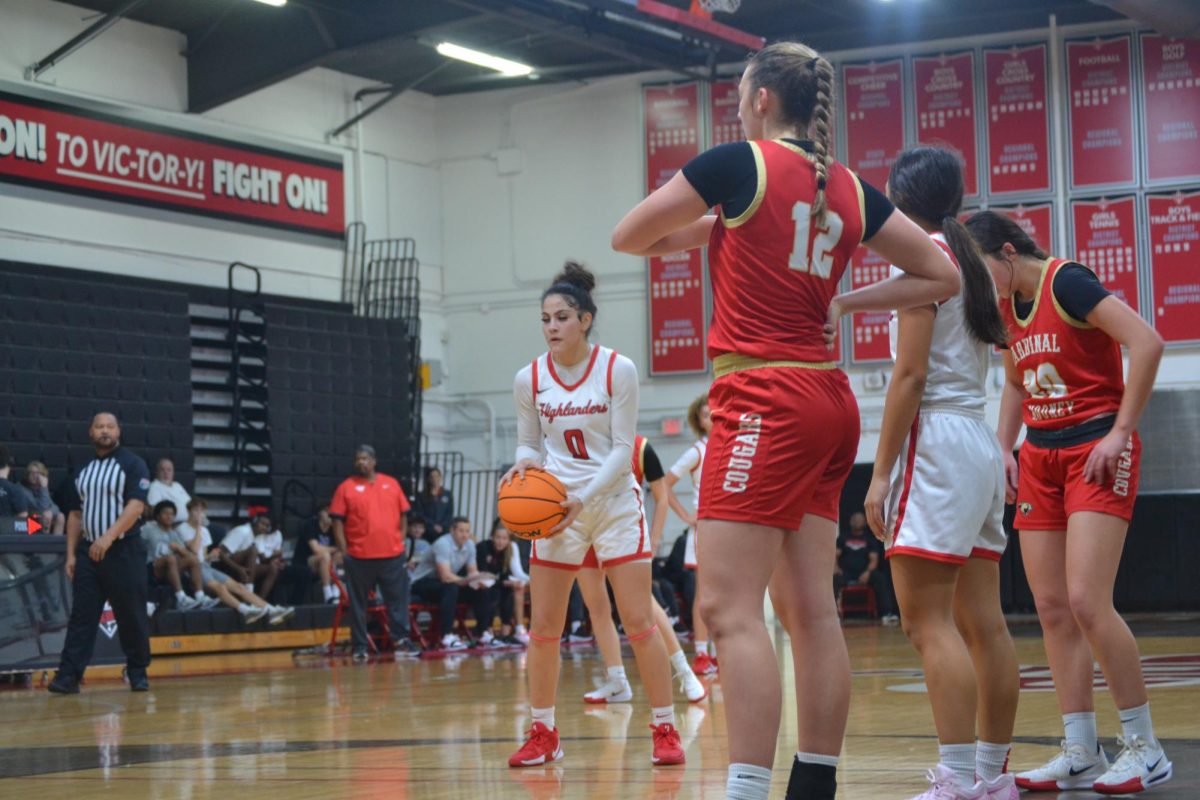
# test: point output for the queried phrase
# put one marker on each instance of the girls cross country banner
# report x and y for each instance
(676, 291)
(82, 151)
(945, 90)
(1018, 113)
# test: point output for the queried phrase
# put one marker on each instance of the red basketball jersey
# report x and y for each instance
(639, 460)
(774, 273)
(1071, 370)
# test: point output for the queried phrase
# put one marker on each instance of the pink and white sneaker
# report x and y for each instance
(1003, 788)
(945, 785)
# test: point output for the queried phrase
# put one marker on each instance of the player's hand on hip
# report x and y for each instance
(1101, 466)
(518, 470)
(1010, 478)
(833, 315)
(573, 506)
(873, 505)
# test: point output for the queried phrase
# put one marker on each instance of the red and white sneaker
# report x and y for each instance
(668, 749)
(614, 691)
(540, 748)
(1139, 766)
(704, 664)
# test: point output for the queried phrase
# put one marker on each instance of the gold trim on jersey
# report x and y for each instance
(795, 149)
(728, 363)
(1037, 297)
(1062, 312)
(759, 192)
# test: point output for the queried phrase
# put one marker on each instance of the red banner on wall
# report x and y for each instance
(677, 320)
(76, 150)
(869, 330)
(1035, 220)
(1100, 99)
(874, 118)
(945, 87)
(1171, 93)
(724, 124)
(1175, 265)
(1105, 234)
(1019, 128)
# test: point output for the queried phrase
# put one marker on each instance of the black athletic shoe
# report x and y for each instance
(407, 648)
(138, 682)
(61, 685)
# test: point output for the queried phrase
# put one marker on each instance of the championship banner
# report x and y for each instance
(724, 125)
(1019, 127)
(1035, 220)
(1100, 100)
(1171, 93)
(1175, 265)
(676, 291)
(874, 101)
(869, 341)
(945, 89)
(95, 154)
(1105, 237)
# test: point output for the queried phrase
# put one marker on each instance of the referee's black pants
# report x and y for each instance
(120, 578)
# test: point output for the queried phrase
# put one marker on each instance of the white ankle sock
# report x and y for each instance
(817, 758)
(665, 714)
(1136, 722)
(199, 597)
(961, 759)
(990, 759)
(180, 596)
(617, 674)
(701, 646)
(679, 663)
(544, 716)
(747, 782)
(1080, 728)
(328, 591)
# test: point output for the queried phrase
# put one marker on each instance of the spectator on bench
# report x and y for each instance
(499, 556)
(196, 537)
(239, 556)
(38, 500)
(449, 574)
(859, 564)
(168, 559)
(316, 552)
(12, 497)
(270, 554)
(165, 487)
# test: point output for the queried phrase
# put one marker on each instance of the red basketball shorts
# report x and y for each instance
(1051, 487)
(782, 445)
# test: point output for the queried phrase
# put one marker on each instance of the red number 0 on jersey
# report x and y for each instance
(576, 444)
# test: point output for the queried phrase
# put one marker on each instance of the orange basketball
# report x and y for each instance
(529, 508)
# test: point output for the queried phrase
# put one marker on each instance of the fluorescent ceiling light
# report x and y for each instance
(501, 65)
(273, 2)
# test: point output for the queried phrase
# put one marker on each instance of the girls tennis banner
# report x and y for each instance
(874, 101)
(1175, 265)
(1171, 94)
(1100, 102)
(945, 89)
(676, 290)
(96, 154)
(1019, 129)
(1105, 234)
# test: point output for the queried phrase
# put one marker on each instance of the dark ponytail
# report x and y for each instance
(575, 284)
(981, 307)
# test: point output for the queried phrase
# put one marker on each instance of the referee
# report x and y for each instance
(106, 559)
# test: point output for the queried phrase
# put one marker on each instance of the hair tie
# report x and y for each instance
(812, 62)
(821, 184)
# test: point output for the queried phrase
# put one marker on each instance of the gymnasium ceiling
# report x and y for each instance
(235, 47)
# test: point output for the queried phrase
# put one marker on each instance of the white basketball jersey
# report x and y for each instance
(576, 418)
(958, 362)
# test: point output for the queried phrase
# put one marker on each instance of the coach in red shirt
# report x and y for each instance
(368, 526)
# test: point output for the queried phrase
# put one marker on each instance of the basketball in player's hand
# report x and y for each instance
(531, 506)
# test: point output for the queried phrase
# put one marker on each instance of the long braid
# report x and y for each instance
(820, 130)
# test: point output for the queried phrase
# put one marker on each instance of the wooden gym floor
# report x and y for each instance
(259, 726)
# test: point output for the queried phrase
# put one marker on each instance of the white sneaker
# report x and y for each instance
(1140, 766)
(279, 614)
(614, 691)
(1073, 768)
(151, 608)
(693, 689)
(254, 613)
(521, 635)
(207, 602)
(486, 638)
(946, 786)
(452, 643)
(185, 603)
(1003, 788)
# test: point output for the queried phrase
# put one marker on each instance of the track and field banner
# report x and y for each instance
(1171, 119)
(676, 282)
(1175, 264)
(52, 145)
(1100, 106)
(1035, 220)
(1105, 239)
(945, 91)
(869, 341)
(874, 103)
(1018, 122)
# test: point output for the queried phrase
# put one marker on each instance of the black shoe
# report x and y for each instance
(61, 685)
(360, 654)
(138, 682)
(407, 648)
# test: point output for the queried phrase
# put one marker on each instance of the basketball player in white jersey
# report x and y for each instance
(578, 402)
(937, 496)
(691, 463)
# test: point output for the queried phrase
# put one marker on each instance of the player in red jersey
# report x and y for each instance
(785, 423)
(1075, 491)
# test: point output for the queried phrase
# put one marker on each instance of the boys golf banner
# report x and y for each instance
(78, 150)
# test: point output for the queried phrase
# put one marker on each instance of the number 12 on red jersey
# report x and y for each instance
(818, 259)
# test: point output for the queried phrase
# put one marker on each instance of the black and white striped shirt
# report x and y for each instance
(104, 486)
